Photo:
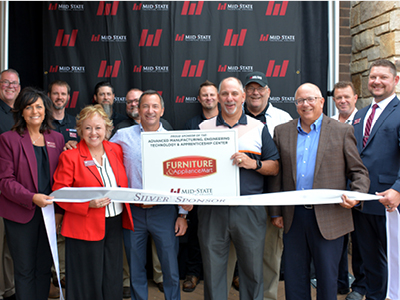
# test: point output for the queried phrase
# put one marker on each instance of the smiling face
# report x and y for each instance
(256, 97)
(59, 96)
(105, 95)
(9, 87)
(208, 97)
(150, 112)
(94, 131)
(231, 97)
(309, 112)
(381, 83)
(34, 114)
(345, 100)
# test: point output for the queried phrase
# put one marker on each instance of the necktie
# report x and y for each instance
(368, 125)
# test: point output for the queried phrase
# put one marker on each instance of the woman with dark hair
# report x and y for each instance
(28, 158)
(93, 230)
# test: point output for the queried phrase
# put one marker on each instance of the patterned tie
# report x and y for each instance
(368, 125)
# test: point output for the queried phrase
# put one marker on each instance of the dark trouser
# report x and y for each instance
(30, 250)
(370, 231)
(94, 268)
(194, 263)
(303, 242)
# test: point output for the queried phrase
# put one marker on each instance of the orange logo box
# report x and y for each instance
(190, 167)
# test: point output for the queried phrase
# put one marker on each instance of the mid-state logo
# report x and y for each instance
(196, 191)
(230, 69)
(151, 7)
(150, 69)
(192, 70)
(66, 39)
(241, 6)
(193, 8)
(277, 38)
(108, 38)
(151, 39)
(66, 69)
(276, 9)
(109, 70)
(189, 166)
(193, 37)
(235, 39)
(67, 7)
(107, 9)
(186, 99)
(277, 71)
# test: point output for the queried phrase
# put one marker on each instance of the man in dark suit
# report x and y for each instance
(316, 152)
(378, 145)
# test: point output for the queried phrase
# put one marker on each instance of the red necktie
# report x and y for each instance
(368, 125)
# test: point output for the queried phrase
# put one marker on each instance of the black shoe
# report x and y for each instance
(12, 297)
(190, 283)
(126, 292)
(160, 286)
(354, 295)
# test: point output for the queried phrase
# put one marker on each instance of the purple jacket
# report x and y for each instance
(18, 172)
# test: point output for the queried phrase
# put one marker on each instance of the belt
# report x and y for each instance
(309, 206)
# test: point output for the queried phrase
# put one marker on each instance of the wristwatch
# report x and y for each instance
(259, 164)
(182, 216)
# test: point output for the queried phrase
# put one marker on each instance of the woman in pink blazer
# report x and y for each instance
(93, 230)
(28, 158)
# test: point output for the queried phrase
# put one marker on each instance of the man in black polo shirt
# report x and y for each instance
(9, 90)
(59, 93)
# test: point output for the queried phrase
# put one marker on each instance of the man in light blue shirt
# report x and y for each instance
(161, 221)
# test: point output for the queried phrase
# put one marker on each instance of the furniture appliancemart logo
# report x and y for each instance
(189, 167)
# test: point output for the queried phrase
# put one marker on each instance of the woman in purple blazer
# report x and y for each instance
(28, 158)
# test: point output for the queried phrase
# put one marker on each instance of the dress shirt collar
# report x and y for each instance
(161, 128)
(221, 121)
(382, 104)
(314, 126)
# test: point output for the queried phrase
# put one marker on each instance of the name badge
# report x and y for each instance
(51, 144)
(89, 163)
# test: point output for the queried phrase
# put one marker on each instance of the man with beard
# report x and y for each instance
(104, 95)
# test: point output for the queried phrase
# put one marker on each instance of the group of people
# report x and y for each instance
(44, 149)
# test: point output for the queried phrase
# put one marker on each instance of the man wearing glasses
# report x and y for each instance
(257, 106)
(316, 152)
(9, 90)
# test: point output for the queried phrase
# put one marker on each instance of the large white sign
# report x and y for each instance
(195, 162)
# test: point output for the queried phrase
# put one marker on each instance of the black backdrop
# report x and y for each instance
(169, 46)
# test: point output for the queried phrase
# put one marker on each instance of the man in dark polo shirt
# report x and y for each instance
(59, 93)
(243, 225)
(9, 90)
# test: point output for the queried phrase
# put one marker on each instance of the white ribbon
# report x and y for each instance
(128, 195)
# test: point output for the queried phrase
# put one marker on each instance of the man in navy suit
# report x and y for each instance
(379, 146)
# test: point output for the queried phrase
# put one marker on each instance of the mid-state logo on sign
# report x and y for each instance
(107, 9)
(192, 8)
(236, 7)
(277, 38)
(109, 70)
(235, 39)
(66, 69)
(190, 167)
(276, 9)
(186, 99)
(151, 39)
(192, 70)
(66, 39)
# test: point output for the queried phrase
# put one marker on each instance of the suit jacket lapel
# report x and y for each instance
(323, 143)
(293, 133)
(386, 112)
(87, 157)
(30, 156)
(359, 128)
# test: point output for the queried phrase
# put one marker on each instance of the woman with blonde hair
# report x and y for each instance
(93, 230)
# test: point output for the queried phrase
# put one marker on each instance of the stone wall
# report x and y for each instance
(375, 33)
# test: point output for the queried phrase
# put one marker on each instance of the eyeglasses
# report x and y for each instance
(310, 100)
(12, 84)
(251, 89)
